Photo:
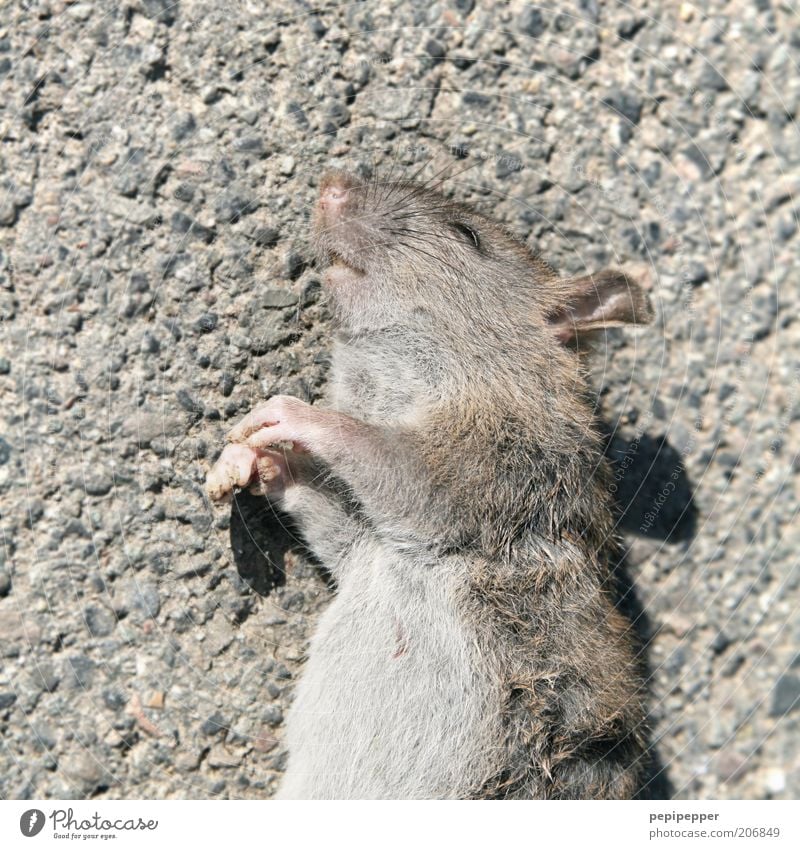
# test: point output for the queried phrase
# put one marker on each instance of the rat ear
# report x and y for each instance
(609, 298)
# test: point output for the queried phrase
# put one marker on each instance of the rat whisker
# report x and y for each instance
(429, 181)
(433, 256)
(433, 238)
(421, 212)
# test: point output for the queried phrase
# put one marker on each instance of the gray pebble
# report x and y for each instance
(786, 695)
(146, 599)
(530, 22)
(99, 621)
(80, 671)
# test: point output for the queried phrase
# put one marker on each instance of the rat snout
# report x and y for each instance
(339, 223)
(332, 198)
(335, 190)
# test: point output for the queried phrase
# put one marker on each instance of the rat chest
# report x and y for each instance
(381, 381)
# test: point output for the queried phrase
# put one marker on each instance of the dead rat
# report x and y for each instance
(455, 487)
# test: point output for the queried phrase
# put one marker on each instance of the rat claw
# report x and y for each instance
(265, 438)
(235, 468)
(241, 467)
(262, 416)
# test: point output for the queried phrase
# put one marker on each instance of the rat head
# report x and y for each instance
(395, 249)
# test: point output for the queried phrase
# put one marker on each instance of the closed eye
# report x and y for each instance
(467, 232)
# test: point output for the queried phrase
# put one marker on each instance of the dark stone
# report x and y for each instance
(475, 98)
(506, 165)
(464, 6)
(184, 192)
(211, 94)
(137, 283)
(146, 600)
(720, 642)
(435, 50)
(651, 173)
(695, 273)
(149, 344)
(272, 715)
(725, 391)
(233, 205)
(76, 528)
(634, 239)
(215, 724)
(787, 227)
(293, 601)
(169, 263)
(44, 736)
(164, 11)
(693, 153)
(652, 233)
(7, 700)
(271, 332)
(531, 22)
(295, 265)
(100, 484)
(100, 622)
(317, 26)
(786, 695)
(563, 23)
(114, 699)
(625, 132)
(277, 299)
(727, 459)
(81, 669)
(44, 674)
(462, 62)
(712, 79)
(207, 322)
(312, 292)
(339, 114)
(590, 10)
(251, 144)
(183, 126)
(227, 383)
(626, 103)
(628, 28)
(297, 114)
(188, 403)
(182, 223)
(264, 237)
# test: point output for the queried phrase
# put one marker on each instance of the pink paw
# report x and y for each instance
(281, 419)
(240, 466)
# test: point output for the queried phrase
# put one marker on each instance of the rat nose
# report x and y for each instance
(333, 196)
(336, 188)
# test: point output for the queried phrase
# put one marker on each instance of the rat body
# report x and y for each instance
(454, 485)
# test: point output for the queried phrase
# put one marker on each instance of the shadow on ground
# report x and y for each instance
(654, 499)
(260, 539)
(654, 494)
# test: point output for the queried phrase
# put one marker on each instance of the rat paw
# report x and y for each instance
(235, 468)
(239, 466)
(281, 419)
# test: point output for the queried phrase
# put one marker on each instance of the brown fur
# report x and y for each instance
(509, 467)
(469, 526)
